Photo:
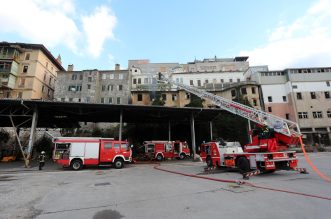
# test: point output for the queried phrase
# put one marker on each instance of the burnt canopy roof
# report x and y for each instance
(64, 114)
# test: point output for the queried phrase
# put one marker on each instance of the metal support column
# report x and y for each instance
(169, 131)
(211, 130)
(249, 130)
(121, 124)
(32, 132)
(193, 135)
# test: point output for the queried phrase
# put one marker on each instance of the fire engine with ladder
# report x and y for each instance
(267, 150)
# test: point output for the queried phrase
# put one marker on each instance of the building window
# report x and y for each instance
(238, 79)
(243, 91)
(103, 87)
(174, 97)
(269, 109)
(42, 89)
(294, 86)
(191, 82)
(74, 77)
(25, 68)
(187, 96)
(19, 95)
(254, 102)
(88, 86)
(299, 96)
(287, 116)
(63, 99)
(110, 100)
(230, 80)
(134, 81)
(327, 94)
(313, 95)
(46, 64)
(111, 76)
(88, 99)
(284, 99)
(27, 56)
(222, 81)
(328, 113)
(118, 100)
(120, 76)
(145, 80)
(139, 80)
(102, 100)
(45, 76)
(110, 87)
(317, 115)
(164, 97)
(206, 81)
(303, 115)
(81, 77)
(233, 93)
(104, 76)
(22, 82)
(120, 87)
(49, 93)
(50, 80)
(89, 79)
(199, 83)
(253, 90)
(328, 83)
(140, 97)
(270, 99)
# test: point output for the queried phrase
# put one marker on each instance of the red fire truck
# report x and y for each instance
(267, 150)
(161, 150)
(77, 152)
(254, 156)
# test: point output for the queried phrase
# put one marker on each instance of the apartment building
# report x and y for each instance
(224, 77)
(27, 71)
(301, 95)
(93, 86)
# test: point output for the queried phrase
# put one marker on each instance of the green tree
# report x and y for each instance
(158, 101)
(195, 101)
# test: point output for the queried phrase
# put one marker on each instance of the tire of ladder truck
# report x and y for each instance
(76, 164)
(159, 157)
(243, 165)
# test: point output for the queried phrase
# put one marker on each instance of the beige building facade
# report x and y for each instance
(27, 71)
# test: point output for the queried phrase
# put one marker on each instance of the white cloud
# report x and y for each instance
(53, 23)
(98, 27)
(306, 42)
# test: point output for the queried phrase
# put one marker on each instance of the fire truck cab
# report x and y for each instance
(77, 152)
(161, 150)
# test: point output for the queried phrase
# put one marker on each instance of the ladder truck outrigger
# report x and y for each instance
(267, 152)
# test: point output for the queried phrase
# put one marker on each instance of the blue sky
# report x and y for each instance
(98, 34)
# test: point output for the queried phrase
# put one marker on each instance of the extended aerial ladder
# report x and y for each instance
(288, 131)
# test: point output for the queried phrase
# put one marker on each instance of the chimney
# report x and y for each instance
(117, 67)
(70, 67)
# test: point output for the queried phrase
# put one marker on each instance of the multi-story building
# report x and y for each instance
(27, 71)
(301, 95)
(93, 86)
(214, 75)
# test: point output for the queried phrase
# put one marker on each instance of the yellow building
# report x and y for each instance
(27, 71)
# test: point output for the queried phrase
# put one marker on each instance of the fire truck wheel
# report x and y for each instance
(243, 164)
(182, 156)
(76, 164)
(118, 163)
(159, 157)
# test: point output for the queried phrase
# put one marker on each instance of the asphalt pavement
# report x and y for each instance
(141, 191)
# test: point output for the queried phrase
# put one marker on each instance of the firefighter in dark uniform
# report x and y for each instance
(41, 159)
